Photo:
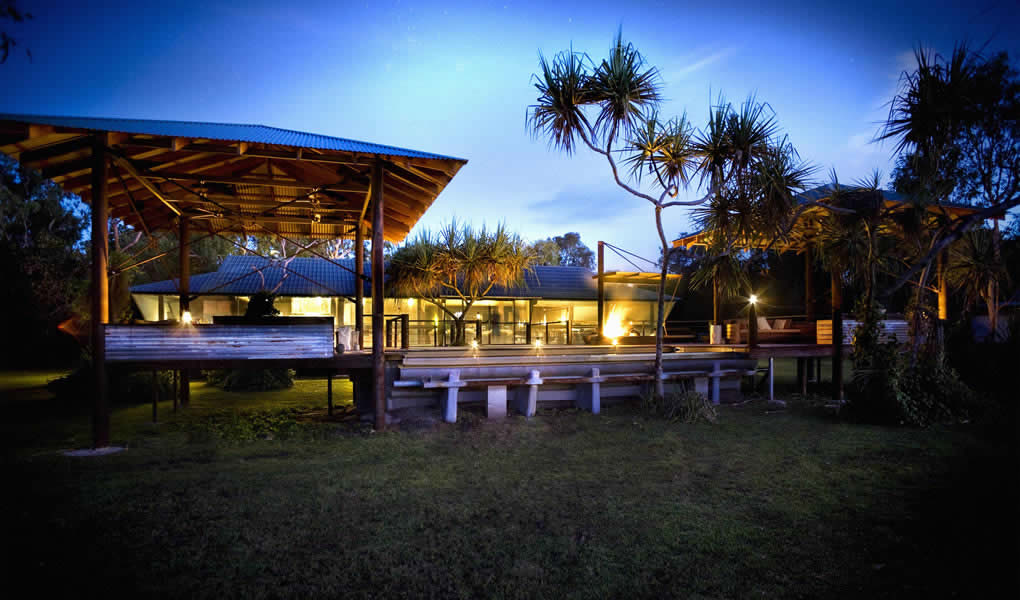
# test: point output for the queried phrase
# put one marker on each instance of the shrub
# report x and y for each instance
(685, 405)
(123, 388)
(250, 380)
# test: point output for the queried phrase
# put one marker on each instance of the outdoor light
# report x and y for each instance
(474, 344)
(410, 301)
(538, 343)
(753, 299)
(186, 317)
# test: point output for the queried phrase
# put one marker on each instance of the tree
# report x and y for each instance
(597, 104)
(458, 261)
(615, 101)
(43, 266)
(10, 10)
(976, 267)
(565, 250)
(954, 122)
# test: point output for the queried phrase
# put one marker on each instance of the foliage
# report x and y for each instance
(888, 387)
(683, 404)
(42, 266)
(459, 261)
(250, 380)
(246, 426)
(564, 250)
(976, 267)
(9, 10)
(261, 306)
(135, 387)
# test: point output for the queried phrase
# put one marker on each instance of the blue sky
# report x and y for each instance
(454, 78)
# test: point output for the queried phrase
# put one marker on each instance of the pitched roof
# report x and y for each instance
(233, 132)
(311, 276)
(231, 178)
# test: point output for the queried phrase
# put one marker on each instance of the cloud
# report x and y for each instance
(585, 204)
(698, 60)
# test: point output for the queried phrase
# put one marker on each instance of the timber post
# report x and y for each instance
(601, 289)
(100, 293)
(378, 354)
(359, 288)
(837, 337)
(184, 288)
(809, 284)
(943, 287)
(752, 325)
(405, 331)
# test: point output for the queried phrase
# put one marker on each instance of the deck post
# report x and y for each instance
(184, 288)
(359, 286)
(528, 396)
(405, 331)
(809, 285)
(155, 396)
(329, 393)
(378, 354)
(100, 293)
(601, 290)
(772, 377)
(837, 337)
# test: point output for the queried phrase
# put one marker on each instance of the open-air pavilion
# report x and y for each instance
(817, 338)
(216, 179)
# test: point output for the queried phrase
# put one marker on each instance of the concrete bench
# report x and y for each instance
(526, 398)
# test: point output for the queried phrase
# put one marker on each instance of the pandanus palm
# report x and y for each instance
(461, 262)
(977, 269)
(611, 103)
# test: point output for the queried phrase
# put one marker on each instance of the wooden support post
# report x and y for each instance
(837, 337)
(329, 393)
(378, 355)
(478, 330)
(405, 331)
(601, 290)
(772, 377)
(100, 293)
(359, 289)
(389, 334)
(942, 286)
(527, 333)
(802, 370)
(569, 333)
(809, 285)
(184, 289)
(155, 396)
(715, 300)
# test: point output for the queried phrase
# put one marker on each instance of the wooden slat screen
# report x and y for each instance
(136, 343)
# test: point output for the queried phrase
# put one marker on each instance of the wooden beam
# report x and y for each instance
(73, 145)
(127, 166)
(359, 282)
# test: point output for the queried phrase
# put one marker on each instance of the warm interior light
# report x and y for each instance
(186, 317)
(613, 327)
(753, 299)
(615, 341)
(410, 301)
(538, 343)
(474, 344)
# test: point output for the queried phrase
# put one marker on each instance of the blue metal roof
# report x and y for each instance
(259, 134)
(310, 276)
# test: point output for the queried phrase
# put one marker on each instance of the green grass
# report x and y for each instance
(566, 505)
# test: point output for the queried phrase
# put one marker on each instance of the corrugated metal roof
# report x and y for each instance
(259, 134)
(309, 276)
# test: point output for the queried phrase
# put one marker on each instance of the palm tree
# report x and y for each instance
(614, 101)
(977, 269)
(459, 261)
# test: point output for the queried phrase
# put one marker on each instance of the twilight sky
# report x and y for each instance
(454, 78)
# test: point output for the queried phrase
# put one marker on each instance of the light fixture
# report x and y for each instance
(538, 343)
(474, 344)
(186, 317)
(410, 301)
(753, 299)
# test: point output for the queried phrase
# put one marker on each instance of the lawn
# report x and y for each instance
(260, 496)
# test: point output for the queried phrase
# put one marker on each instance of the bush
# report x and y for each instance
(685, 405)
(250, 380)
(124, 388)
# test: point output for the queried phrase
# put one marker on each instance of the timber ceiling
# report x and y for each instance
(266, 181)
